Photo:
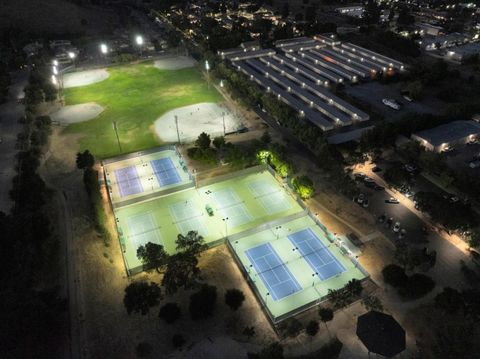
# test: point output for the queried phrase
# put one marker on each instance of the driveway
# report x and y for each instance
(10, 112)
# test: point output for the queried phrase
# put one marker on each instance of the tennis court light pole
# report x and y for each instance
(176, 125)
(207, 67)
(225, 220)
(114, 124)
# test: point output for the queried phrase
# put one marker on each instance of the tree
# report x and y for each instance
(203, 141)
(449, 300)
(234, 298)
(303, 185)
(192, 243)
(85, 160)
(182, 269)
(394, 275)
(178, 340)
(266, 138)
(312, 328)
(354, 287)
(152, 255)
(418, 285)
(170, 312)
(219, 142)
(249, 332)
(326, 315)
(202, 303)
(372, 303)
(372, 13)
(474, 240)
(141, 296)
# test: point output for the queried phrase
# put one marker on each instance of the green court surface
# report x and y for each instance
(313, 289)
(134, 96)
(144, 174)
(238, 204)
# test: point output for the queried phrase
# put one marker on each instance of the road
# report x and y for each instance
(10, 112)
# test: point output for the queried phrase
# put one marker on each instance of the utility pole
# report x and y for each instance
(114, 123)
(176, 125)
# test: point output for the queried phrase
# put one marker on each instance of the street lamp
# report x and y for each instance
(103, 49)
(55, 63)
(207, 67)
(139, 42)
(71, 54)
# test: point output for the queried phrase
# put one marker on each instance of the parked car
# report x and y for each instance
(408, 98)
(360, 198)
(396, 227)
(392, 200)
(402, 233)
(391, 103)
(410, 168)
(379, 188)
(368, 179)
(382, 218)
(365, 203)
(447, 149)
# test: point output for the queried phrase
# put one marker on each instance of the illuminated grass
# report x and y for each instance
(134, 96)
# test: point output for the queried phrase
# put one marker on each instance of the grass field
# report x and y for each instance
(135, 96)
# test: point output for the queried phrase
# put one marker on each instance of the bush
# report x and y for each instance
(170, 312)
(394, 275)
(141, 296)
(234, 298)
(207, 156)
(417, 286)
(303, 185)
(202, 303)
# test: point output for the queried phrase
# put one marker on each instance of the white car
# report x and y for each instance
(396, 227)
(391, 103)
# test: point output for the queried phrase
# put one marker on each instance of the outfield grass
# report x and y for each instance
(135, 96)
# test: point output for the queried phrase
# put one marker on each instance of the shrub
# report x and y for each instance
(202, 303)
(394, 275)
(170, 312)
(234, 298)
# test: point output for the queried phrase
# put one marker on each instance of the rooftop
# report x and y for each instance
(449, 132)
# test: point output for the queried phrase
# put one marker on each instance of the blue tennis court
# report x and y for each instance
(273, 272)
(165, 171)
(317, 255)
(128, 181)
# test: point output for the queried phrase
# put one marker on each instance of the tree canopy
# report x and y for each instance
(152, 255)
(141, 296)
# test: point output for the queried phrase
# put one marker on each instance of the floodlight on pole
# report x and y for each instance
(139, 40)
(221, 83)
(54, 80)
(71, 54)
(55, 63)
(207, 65)
(103, 48)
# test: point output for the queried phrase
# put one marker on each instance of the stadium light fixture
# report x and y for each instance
(139, 40)
(207, 65)
(71, 54)
(55, 63)
(103, 48)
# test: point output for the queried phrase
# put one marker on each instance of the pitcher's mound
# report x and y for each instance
(174, 63)
(77, 113)
(194, 119)
(84, 78)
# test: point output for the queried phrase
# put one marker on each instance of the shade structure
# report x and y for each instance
(381, 333)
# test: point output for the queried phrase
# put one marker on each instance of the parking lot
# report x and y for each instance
(373, 93)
